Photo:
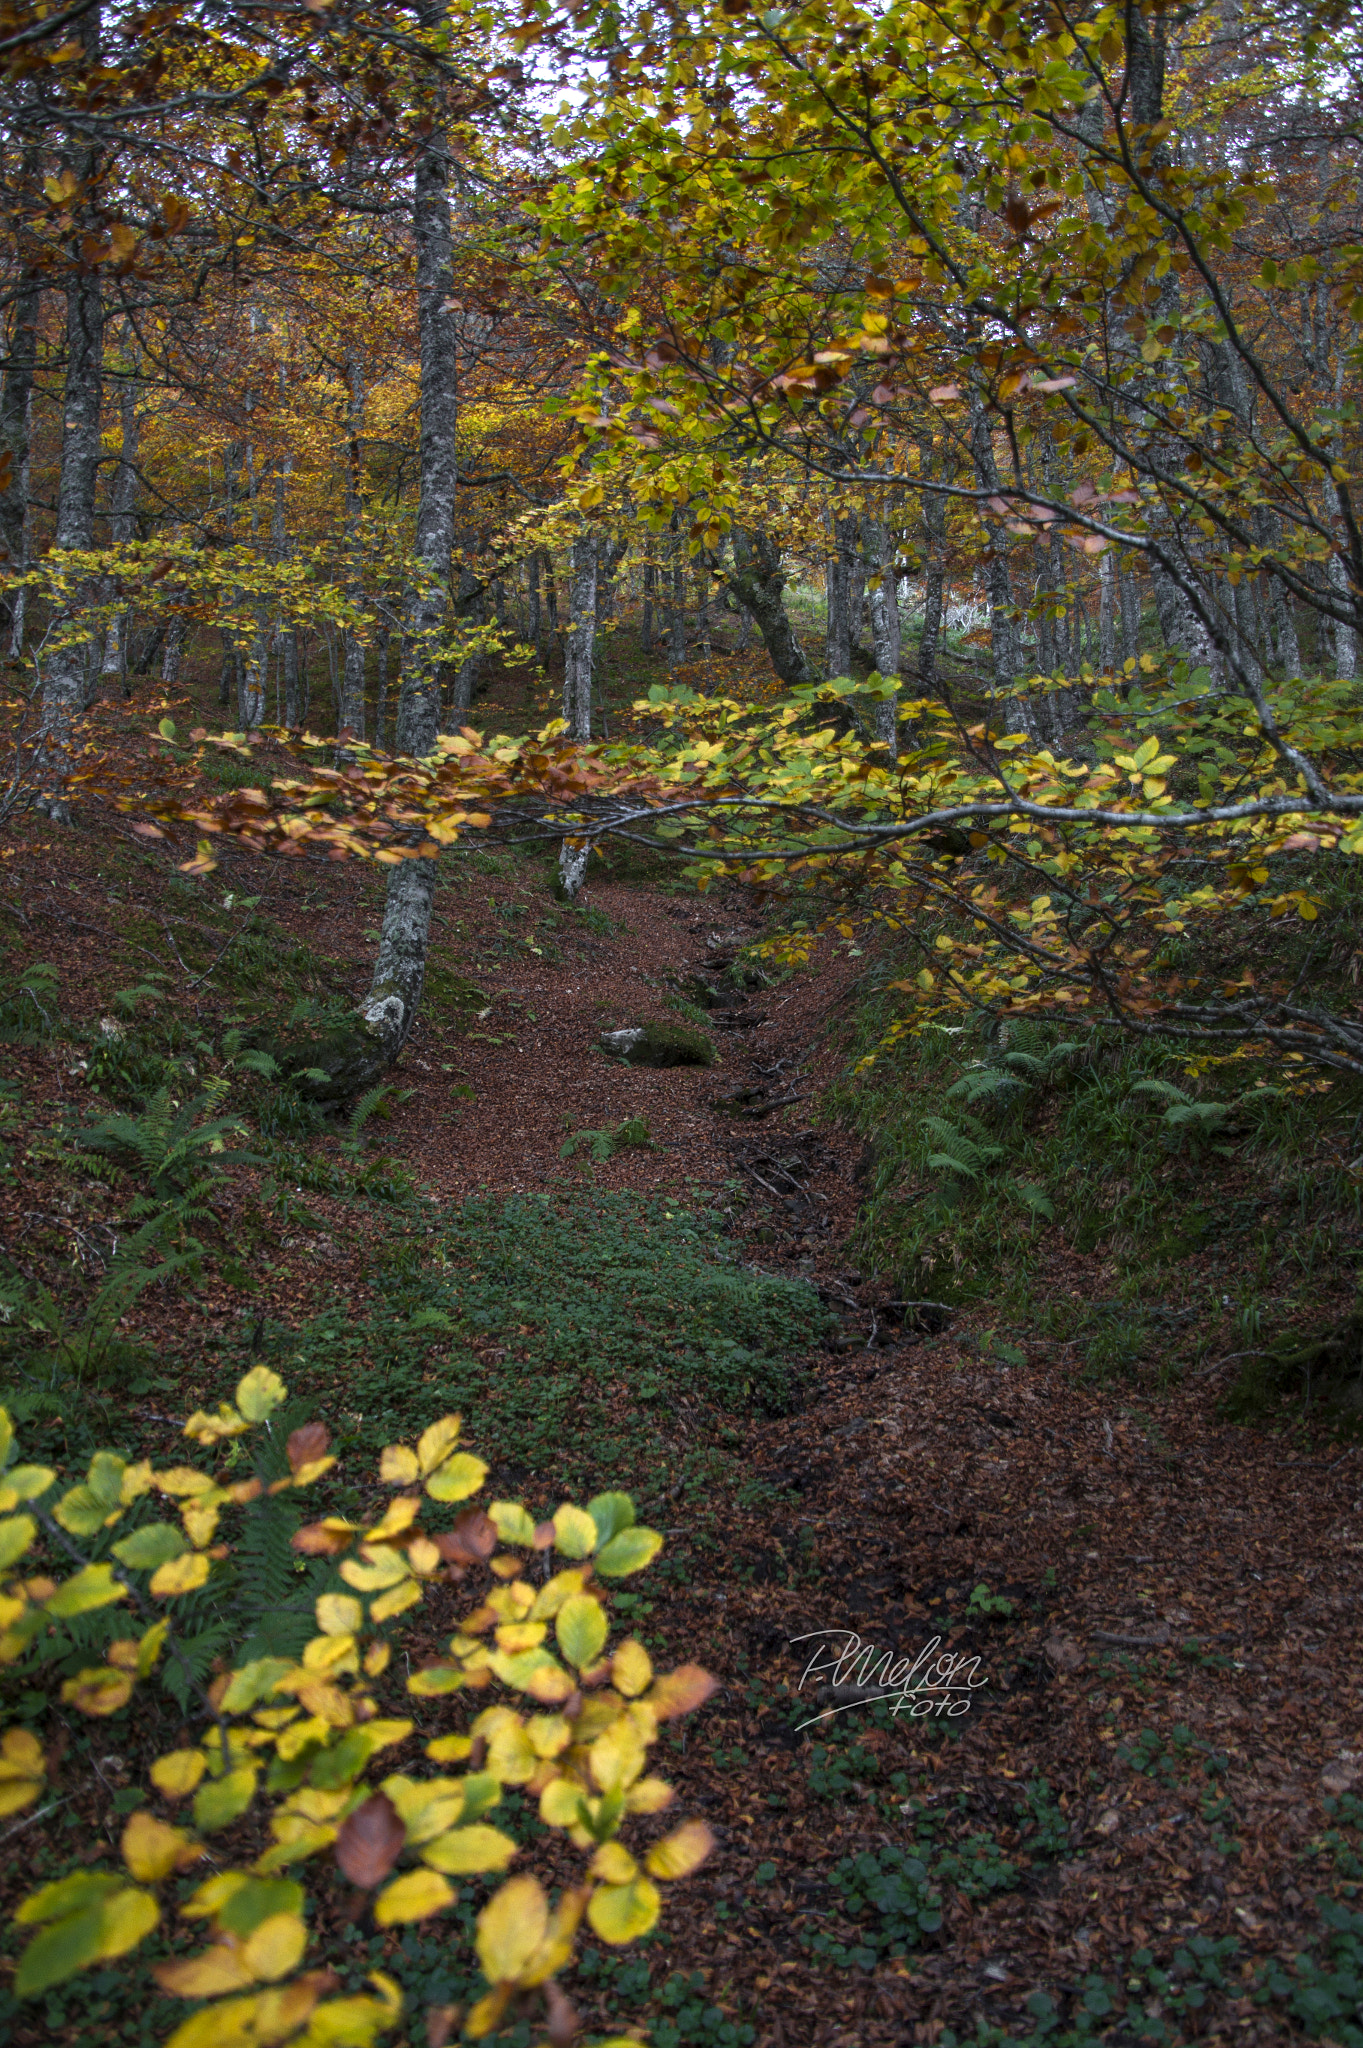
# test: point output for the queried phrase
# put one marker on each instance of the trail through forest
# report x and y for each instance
(1132, 1798)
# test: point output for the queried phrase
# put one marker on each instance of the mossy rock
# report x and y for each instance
(331, 1066)
(1324, 1371)
(662, 1045)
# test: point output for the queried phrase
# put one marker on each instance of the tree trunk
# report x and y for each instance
(172, 653)
(533, 622)
(351, 722)
(1131, 612)
(384, 638)
(839, 578)
(646, 614)
(16, 424)
(390, 1010)
(577, 666)
(677, 649)
(757, 581)
(64, 669)
(934, 575)
(883, 603)
(1107, 618)
(122, 525)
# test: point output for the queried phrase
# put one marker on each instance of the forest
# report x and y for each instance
(681, 755)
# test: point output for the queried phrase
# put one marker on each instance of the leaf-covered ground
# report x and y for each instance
(1142, 1821)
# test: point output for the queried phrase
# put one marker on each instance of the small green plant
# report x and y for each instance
(178, 1149)
(603, 1145)
(990, 1606)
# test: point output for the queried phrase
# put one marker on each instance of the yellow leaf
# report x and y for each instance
(395, 1602)
(176, 1774)
(152, 1850)
(457, 1478)
(183, 1481)
(402, 1511)
(613, 1863)
(260, 1393)
(200, 1518)
(631, 1669)
(511, 1927)
(582, 1629)
(383, 1566)
(206, 1975)
(574, 1531)
(260, 2021)
(618, 1756)
(399, 1466)
(622, 1912)
(180, 1575)
(339, 1614)
(510, 1757)
(511, 1522)
(681, 1852)
(463, 1851)
(99, 1691)
(275, 1947)
(552, 1596)
(561, 1803)
(649, 1795)
(548, 1734)
(436, 1443)
(22, 1769)
(414, 1896)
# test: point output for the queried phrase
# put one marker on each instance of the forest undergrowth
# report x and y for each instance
(1003, 1344)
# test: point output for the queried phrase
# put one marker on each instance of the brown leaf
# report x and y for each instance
(307, 1443)
(561, 2015)
(1017, 213)
(441, 2021)
(942, 394)
(370, 1842)
(314, 1539)
(472, 1540)
(544, 1535)
(1064, 1654)
(681, 1691)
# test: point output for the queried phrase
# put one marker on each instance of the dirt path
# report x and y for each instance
(1152, 1616)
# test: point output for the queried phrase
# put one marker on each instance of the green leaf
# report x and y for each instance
(582, 1629)
(81, 1511)
(101, 1930)
(16, 1533)
(628, 1552)
(148, 1547)
(219, 1801)
(256, 1900)
(254, 1681)
(167, 728)
(94, 1587)
(67, 1895)
(611, 1513)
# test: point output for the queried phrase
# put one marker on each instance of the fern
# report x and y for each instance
(956, 1152)
(25, 1018)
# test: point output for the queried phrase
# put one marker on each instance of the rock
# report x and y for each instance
(333, 1066)
(1063, 1654)
(661, 1045)
(1339, 1777)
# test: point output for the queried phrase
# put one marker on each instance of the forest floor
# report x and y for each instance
(1132, 1813)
